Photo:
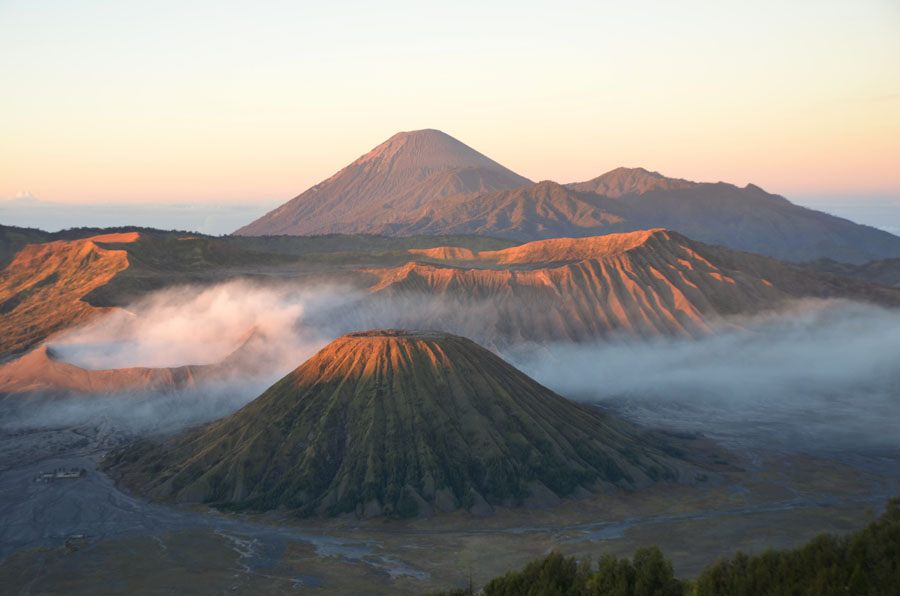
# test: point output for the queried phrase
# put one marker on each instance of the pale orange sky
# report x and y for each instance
(227, 101)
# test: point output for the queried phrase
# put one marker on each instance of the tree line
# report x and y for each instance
(864, 563)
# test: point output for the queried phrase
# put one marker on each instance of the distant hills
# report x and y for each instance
(426, 182)
(885, 272)
(745, 218)
(400, 424)
(639, 284)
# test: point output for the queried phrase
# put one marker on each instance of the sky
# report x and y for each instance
(217, 101)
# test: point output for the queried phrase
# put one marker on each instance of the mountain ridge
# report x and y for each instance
(426, 182)
(400, 173)
(625, 181)
(638, 284)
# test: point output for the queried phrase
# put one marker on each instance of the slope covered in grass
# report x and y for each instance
(401, 424)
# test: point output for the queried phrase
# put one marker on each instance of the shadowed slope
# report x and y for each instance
(752, 219)
(626, 200)
(425, 182)
(542, 210)
(885, 272)
(396, 177)
(643, 284)
(57, 285)
(40, 374)
(399, 423)
(630, 181)
(41, 290)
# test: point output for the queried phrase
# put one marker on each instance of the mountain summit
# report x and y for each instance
(628, 181)
(400, 423)
(397, 176)
(426, 182)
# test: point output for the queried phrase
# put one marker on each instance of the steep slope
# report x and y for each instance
(158, 262)
(395, 177)
(398, 423)
(41, 290)
(626, 200)
(542, 210)
(753, 220)
(41, 374)
(13, 239)
(56, 285)
(639, 284)
(425, 182)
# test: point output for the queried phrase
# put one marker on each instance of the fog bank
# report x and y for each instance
(823, 375)
(820, 375)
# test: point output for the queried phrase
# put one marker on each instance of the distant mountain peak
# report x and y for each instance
(630, 181)
(424, 152)
(399, 175)
(623, 170)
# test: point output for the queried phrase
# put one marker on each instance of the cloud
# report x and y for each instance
(822, 376)
(21, 198)
(203, 325)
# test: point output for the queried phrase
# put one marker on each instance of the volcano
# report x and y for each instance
(400, 424)
(396, 177)
(427, 182)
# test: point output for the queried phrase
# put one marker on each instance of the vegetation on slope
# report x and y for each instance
(865, 563)
(399, 424)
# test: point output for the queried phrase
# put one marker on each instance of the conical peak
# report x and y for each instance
(423, 133)
(361, 353)
(427, 139)
(400, 423)
(428, 150)
(398, 176)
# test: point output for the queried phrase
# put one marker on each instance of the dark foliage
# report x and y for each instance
(865, 563)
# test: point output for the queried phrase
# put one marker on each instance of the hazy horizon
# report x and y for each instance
(222, 101)
(218, 218)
